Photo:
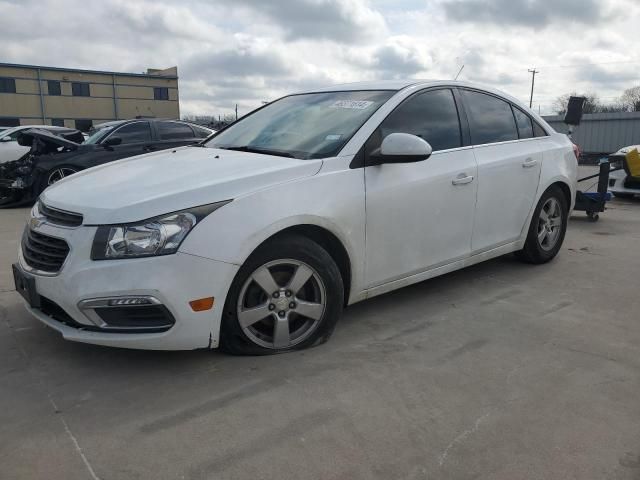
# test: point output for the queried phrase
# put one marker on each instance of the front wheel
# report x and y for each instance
(547, 229)
(287, 296)
(57, 174)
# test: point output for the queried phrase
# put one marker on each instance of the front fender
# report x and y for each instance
(332, 200)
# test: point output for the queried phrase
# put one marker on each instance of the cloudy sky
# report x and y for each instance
(247, 51)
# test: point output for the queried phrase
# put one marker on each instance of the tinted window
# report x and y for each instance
(79, 89)
(161, 93)
(54, 87)
(84, 125)
(7, 85)
(490, 118)
(57, 122)
(431, 115)
(525, 127)
(538, 130)
(174, 131)
(133, 132)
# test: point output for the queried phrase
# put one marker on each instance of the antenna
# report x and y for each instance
(459, 72)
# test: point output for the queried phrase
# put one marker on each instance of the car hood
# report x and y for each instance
(61, 140)
(142, 187)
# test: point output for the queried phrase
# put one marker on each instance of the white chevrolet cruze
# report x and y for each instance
(256, 239)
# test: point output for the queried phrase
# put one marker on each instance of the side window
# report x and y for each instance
(490, 118)
(174, 131)
(524, 122)
(134, 132)
(431, 115)
(538, 130)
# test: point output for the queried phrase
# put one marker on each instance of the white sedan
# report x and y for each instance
(255, 240)
(10, 149)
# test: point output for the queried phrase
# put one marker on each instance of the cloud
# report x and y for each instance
(530, 13)
(247, 51)
(350, 21)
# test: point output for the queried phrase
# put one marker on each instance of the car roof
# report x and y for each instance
(398, 85)
(115, 123)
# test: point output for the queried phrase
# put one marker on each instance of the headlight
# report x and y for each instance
(156, 236)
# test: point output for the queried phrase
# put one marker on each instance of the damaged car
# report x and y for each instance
(54, 157)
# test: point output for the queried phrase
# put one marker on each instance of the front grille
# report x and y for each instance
(43, 252)
(60, 217)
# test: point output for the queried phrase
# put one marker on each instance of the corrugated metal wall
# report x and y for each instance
(603, 132)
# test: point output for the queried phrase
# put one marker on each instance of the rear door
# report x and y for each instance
(509, 163)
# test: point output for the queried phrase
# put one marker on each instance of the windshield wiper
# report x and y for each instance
(265, 151)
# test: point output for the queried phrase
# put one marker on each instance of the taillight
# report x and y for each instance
(576, 151)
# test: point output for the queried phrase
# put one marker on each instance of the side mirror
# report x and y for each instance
(6, 139)
(112, 141)
(401, 148)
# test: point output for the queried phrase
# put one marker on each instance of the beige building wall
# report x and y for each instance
(113, 96)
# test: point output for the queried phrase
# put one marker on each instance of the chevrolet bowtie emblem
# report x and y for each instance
(35, 223)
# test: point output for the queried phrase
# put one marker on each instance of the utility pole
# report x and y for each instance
(533, 82)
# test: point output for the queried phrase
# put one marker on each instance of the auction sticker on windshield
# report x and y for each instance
(353, 104)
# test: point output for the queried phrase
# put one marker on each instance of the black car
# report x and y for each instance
(52, 158)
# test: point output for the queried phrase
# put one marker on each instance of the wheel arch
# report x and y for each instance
(327, 240)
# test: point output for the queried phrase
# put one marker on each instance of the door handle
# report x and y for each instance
(462, 179)
(529, 162)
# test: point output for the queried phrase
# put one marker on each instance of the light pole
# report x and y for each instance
(533, 82)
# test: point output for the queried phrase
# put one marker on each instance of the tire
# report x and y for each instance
(253, 318)
(539, 248)
(625, 196)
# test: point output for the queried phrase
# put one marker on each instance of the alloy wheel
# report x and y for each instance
(281, 304)
(549, 224)
(59, 173)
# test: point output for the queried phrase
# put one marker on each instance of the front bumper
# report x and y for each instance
(174, 280)
(618, 183)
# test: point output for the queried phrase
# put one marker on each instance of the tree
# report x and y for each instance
(591, 105)
(630, 99)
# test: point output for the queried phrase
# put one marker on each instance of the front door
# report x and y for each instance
(420, 215)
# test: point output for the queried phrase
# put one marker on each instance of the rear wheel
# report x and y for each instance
(547, 229)
(287, 296)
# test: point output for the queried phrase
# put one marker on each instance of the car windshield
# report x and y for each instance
(313, 125)
(97, 134)
(10, 132)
